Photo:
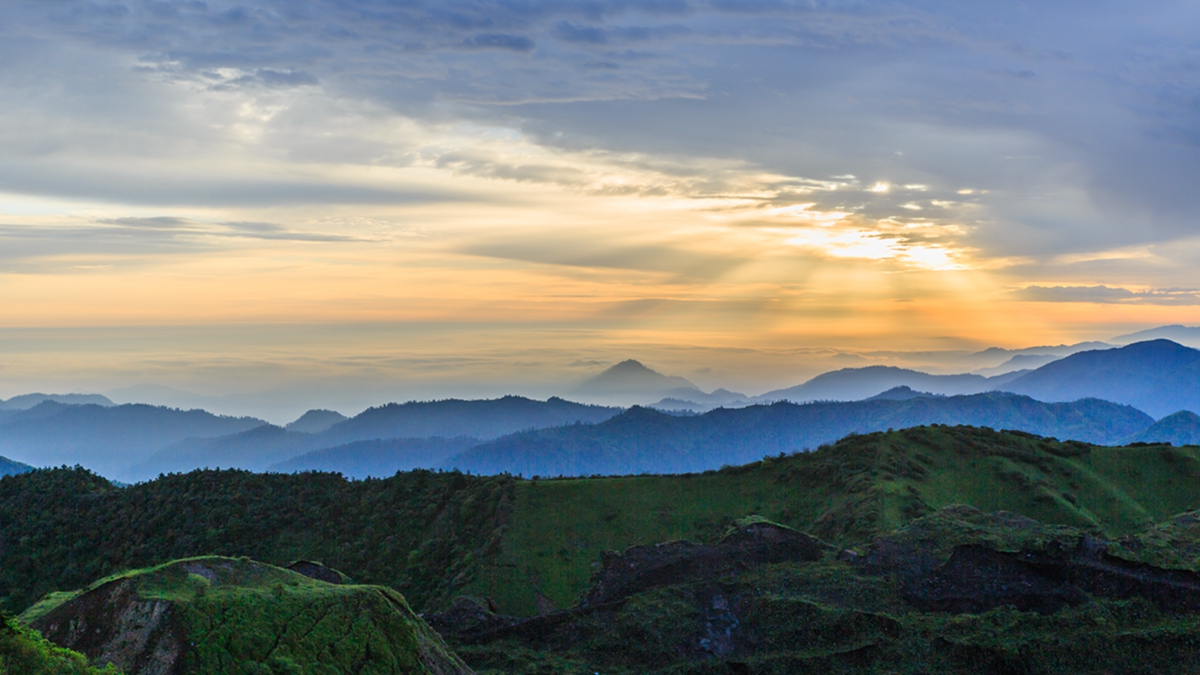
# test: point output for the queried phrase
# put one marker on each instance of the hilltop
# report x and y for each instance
(315, 421)
(632, 382)
(213, 614)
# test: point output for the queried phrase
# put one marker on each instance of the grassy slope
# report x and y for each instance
(827, 617)
(433, 536)
(248, 617)
(846, 493)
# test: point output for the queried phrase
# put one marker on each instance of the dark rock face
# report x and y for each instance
(639, 569)
(468, 616)
(976, 579)
(111, 624)
(315, 570)
(643, 567)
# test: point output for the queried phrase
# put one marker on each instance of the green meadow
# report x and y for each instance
(846, 493)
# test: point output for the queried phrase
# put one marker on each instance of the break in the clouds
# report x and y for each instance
(837, 169)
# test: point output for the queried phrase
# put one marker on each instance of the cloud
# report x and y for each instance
(39, 248)
(1109, 295)
(511, 43)
(589, 252)
(1069, 141)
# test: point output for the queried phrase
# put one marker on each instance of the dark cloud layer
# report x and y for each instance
(1074, 123)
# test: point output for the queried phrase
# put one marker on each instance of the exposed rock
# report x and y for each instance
(468, 616)
(643, 567)
(315, 570)
(199, 615)
(977, 578)
(112, 624)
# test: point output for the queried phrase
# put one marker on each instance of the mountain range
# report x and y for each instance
(1064, 398)
(1157, 376)
(854, 384)
(266, 445)
(107, 439)
(643, 440)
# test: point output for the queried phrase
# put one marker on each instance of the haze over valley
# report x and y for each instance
(1146, 391)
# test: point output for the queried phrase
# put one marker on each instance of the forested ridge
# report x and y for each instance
(419, 532)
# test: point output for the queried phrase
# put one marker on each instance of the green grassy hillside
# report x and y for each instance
(956, 591)
(227, 615)
(846, 493)
(532, 545)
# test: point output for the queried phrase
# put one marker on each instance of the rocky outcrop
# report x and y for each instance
(202, 615)
(976, 579)
(642, 567)
(112, 624)
(315, 570)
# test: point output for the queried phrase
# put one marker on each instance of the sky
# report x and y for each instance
(337, 201)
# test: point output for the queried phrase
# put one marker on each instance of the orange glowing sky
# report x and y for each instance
(238, 198)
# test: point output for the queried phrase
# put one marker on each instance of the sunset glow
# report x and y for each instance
(745, 197)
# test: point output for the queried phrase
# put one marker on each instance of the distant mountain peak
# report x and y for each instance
(315, 421)
(632, 378)
(27, 401)
(1179, 428)
(902, 393)
(630, 366)
(1176, 332)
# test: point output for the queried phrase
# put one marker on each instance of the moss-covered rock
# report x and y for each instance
(234, 615)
